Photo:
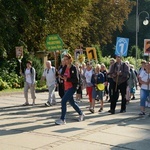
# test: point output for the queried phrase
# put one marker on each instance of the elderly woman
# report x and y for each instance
(144, 79)
(104, 71)
(131, 83)
(97, 78)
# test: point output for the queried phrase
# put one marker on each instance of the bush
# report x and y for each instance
(3, 85)
(132, 60)
(38, 67)
(106, 61)
(9, 77)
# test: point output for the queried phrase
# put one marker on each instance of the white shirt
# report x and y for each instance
(49, 74)
(28, 76)
(144, 77)
(88, 75)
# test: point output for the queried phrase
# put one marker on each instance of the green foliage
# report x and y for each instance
(106, 61)
(90, 22)
(129, 29)
(9, 78)
(98, 52)
(38, 67)
(12, 80)
(41, 85)
(106, 17)
(132, 52)
(3, 84)
(76, 21)
(132, 60)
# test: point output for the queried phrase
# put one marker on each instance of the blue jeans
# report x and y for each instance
(68, 96)
(144, 94)
(51, 97)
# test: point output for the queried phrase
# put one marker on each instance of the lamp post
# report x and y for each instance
(145, 22)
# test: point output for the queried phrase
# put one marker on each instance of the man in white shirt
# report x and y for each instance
(50, 75)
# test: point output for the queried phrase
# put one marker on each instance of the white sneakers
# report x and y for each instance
(60, 122)
(63, 122)
(81, 117)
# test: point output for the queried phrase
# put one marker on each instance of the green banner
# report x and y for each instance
(54, 42)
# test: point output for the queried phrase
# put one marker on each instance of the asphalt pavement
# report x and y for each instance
(33, 127)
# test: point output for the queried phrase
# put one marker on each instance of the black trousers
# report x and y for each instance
(111, 85)
(122, 88)
(61, 89)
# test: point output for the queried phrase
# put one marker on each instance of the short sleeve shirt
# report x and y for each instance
(49, 74)
(144, 77)
(28, 75)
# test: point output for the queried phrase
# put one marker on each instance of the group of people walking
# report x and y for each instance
(98, 81)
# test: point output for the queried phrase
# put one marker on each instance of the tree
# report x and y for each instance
(106, 17)
(129, 29)
(28, 22)
(55, 16)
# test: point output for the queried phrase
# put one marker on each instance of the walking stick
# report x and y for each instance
(116, 83)
(117, 78)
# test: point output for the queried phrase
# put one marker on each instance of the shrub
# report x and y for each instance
(3, 85)
(38, 67)
(9, 77)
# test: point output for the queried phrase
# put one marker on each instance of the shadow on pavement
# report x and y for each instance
(143, 144)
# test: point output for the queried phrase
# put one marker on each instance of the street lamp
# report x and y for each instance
(145, 22)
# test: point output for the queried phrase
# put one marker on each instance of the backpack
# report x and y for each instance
(131, 73)
(135, 73)
(53, 69)
(31, 71)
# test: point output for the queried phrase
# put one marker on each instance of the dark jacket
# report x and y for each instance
(74, 77)
(59, 80)
(97, 79)
(105, 75)
(124, 72)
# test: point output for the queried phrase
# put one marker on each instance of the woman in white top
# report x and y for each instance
(144, 79)
(29, 76)
(89, 86)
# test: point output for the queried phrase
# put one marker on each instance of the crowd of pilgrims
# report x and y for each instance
(99, 82)
(91, 75)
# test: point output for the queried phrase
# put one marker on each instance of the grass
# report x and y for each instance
(10, 91)
(13, 91)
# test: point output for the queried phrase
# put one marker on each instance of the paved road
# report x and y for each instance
(33, 128)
